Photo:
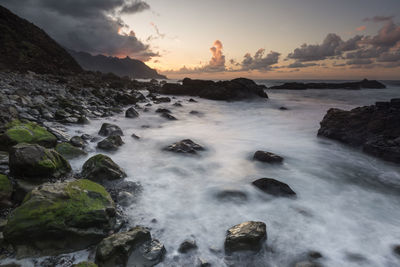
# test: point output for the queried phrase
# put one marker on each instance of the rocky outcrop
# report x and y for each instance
(60, 217)
(236, 89)
(111, 143)
(274, 187)
(185, 146)
(33, 161)
(101, 169)
(26, 47)
(268, 157)
(375, 128)
(364, 84)
(108, 129)
(69, 151)
(26, 132)
(132, 248)
(246, 236)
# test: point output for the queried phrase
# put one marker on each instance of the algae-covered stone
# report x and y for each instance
(69, 151)
(132, 248)
(85, 264)
(6, 190)
(26, 132)
(60, 217)
(101, 168)
(34, 161)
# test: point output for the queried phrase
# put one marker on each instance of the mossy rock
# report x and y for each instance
(26, 132)
(101, 168)
(34, 161)
(6, 189)
(85, 264)
(60, 217)
(69, 151)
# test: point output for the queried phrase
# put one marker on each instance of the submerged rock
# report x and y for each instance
(60, 218)
(26, 132)
(246, 236)
(187, 245)
(101, 168)
(110, 143)
(235, 89)
(168, 116)
(231, 195)
(185, 146)
(132, 248)
(69, 151)
(108, 129)
(274, 187)
(131, 113)
(34, 161)
(268, 157)
(375, 128)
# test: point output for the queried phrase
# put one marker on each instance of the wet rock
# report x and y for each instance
(177, 104)
(132, 248)
(110, 143)
(86, 137)
(187, 246)
(274, 187)
(131, 113)
(6, 190)
(396, 250)
(192, 100)
(26, 132)
(246, 236)
(283, 108)
(314, 255)
(85, 264)
(158, 100)
(77, 141)
(163, 110)
(268, 157)
(63, 217)
(203, 263)
(168, 116)
(231, 195)
(374, 128)
(185, 146)
(135, 136)
(69, 151)
(34, 161)
(101, 168)
(195, 112)
(108, 129)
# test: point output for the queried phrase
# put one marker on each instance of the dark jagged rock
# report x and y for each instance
(111, 143)
(163, 110)
(101, 169)
(131, 113)
(236, 89)
(168, 116)
(132, 248)
(135, 136)
(268, 157)
(367, 84)
(274, 187)
(60, 217)
(246, 236)
(26, 47)
(108, 129)
(186, 146)
(187, 245)
(375, 128)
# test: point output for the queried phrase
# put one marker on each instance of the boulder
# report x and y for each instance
(111, 143)
(246, 236)
(77, 141)
(374, 128)
(6, 190)
(235, 89)
(34, 161)
(268, 157)
(168, 116)
(26, 132)
(274, 187)
(69, 151)
(59, 218)
(132, 248)
(163, 110)
(185, 146)
(131, 113)
(101, 168)
(108, 129)
(187, 245)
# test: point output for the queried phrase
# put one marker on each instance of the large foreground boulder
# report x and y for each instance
(246, 236)
(26, 132)
(274, 187)
(34, 161)
(375, 128)
(236, 89)
(60, 217)
(132, 248)
(101, 169)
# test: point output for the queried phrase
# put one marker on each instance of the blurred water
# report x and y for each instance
(347, 204)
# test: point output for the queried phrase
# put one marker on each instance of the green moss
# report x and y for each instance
(28, 132)
(81, 204)
(69, 151)
(85, 264)
(5, 186)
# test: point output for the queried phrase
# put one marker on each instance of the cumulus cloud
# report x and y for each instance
(258, 61)
(92, 26)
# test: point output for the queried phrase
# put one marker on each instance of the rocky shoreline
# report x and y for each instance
(364, 84)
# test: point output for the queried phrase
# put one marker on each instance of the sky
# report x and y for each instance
(269, 39)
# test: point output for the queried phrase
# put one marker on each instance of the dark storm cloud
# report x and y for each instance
(259, 61)
(86, 25)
